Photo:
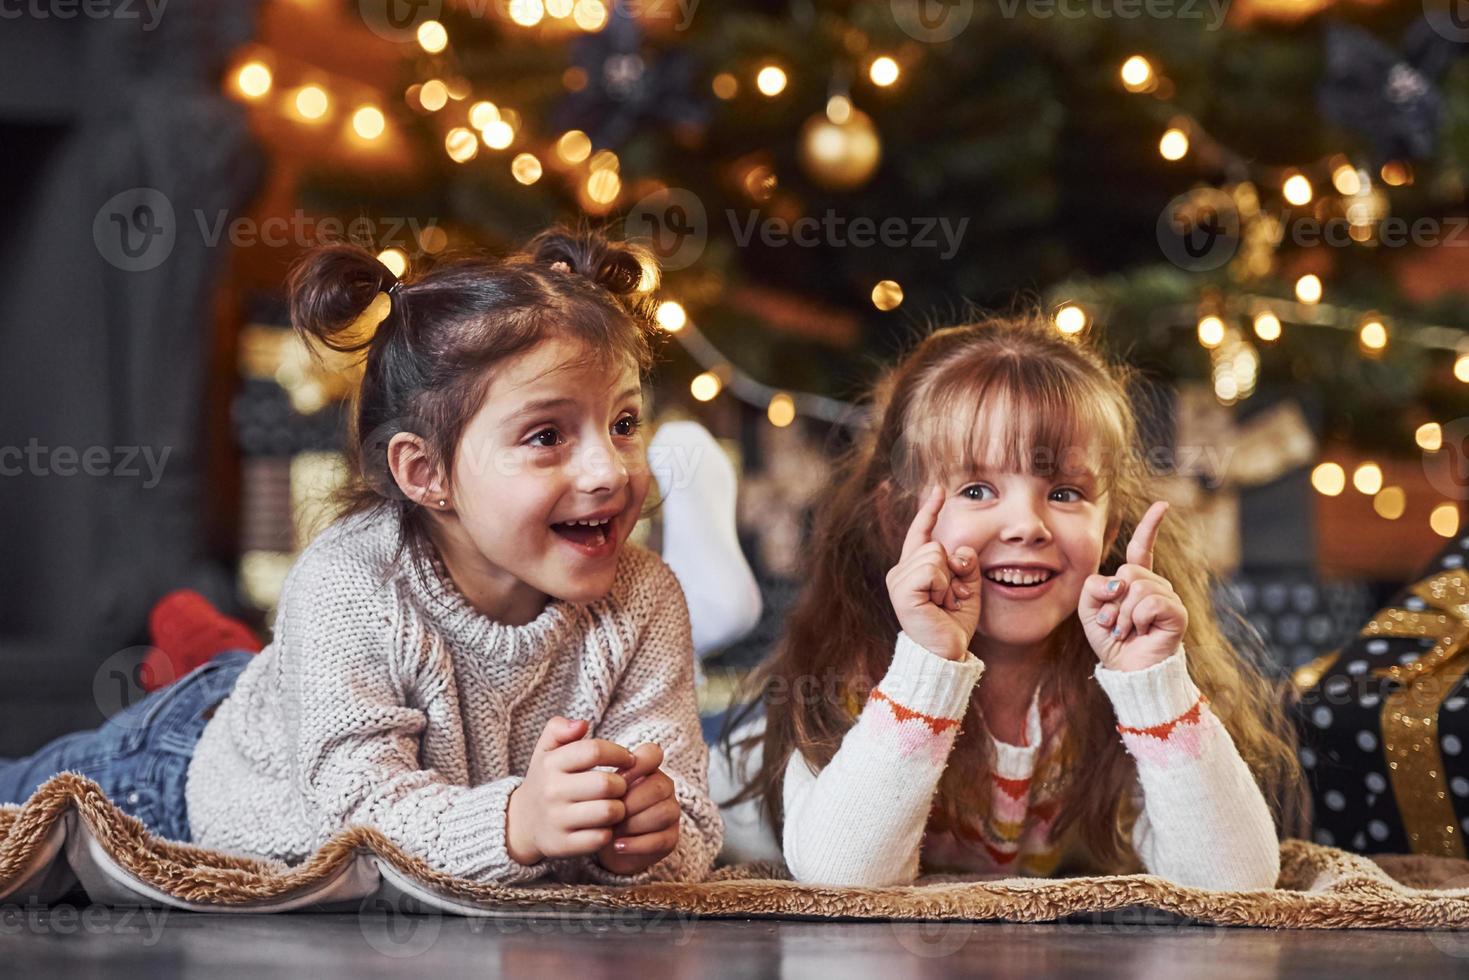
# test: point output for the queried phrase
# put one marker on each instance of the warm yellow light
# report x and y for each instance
(481, 114)
(1329, 479)
(1137, 73)
(1211, 331)
(839, 110)
(1429, 437)
(725, 86)
(559, 8)
(253, 79)
(1396, 173)
(1346, 181)
(1373, 335)
(498, 135)
(1367, 478)
(434, 95)
(771, 81)
(432, 36)
(706, 386)
(603, 186)
(368, 122)
(781, 411)
(1445, 520)
(884, 71)
(672, 316)
(589, 15)
(1267, 326)
(395, 259)
(1297, 190)
(461, 144)
(1174, 145)
(1390, 503)
(312, 102)
(887, 295)
(1461, 368)
(1071, 319)
(605, 160)
(526, 168)
(1308, 289)
(527, 13)
(574, 146)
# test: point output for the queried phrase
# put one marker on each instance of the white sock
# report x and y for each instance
(700, 543)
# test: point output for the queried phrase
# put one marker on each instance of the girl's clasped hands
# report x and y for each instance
(566, 806)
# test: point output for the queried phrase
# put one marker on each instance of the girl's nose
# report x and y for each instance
(600, 469)
(1024, 525)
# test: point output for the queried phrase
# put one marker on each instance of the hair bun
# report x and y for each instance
(330, 288)
(619, 267)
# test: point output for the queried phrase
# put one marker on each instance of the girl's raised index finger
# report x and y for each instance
(920, 532)
(1140, 548)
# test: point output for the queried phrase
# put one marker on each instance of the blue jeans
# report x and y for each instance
(139, 756)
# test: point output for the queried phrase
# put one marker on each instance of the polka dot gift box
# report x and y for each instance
(1385, 720)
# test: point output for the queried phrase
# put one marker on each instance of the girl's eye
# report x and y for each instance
(546, 439)
(975, 491)
(628, 425)
(1076, 495)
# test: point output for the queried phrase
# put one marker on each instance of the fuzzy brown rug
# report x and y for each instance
(1320, 887)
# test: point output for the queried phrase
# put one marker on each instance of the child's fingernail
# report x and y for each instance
(619, 845)
(1113, 585)
(1104, 616)
(1117, 630)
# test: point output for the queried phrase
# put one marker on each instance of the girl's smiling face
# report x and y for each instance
(1038, 535)
(549, 479)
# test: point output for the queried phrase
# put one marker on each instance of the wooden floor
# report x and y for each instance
(72, 941)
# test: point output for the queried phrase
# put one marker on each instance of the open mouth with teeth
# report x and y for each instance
(587, 534)
(1022, 578)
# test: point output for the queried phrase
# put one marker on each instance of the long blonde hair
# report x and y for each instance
(839, 639)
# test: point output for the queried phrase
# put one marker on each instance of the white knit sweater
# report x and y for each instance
(390, 703)
(862, 819)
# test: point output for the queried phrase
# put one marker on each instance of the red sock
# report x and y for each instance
(188, 631)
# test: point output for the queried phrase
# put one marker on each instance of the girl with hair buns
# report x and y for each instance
(472, 658)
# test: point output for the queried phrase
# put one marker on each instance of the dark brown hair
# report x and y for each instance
(927, 418)
(428, 363)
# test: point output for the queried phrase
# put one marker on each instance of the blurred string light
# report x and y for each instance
(1308, 289)
(770, 80)
(1372, 336)
(1329, 479)
(254, 79)
(1445, 520)
(1071, 319)
(1367, 478)
(1267, 326)
(1174, 144)
(1429, 437)
(883, 72)
(719, 376)
(432, 36)
(312, 102)
(887, 295)
(1390, 503)
(526, 168)
(368, 122)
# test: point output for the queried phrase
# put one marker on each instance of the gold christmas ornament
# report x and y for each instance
(840, 156)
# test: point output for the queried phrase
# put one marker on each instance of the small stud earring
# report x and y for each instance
(443, 503)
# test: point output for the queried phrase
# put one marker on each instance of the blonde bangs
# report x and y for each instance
(1017, 415)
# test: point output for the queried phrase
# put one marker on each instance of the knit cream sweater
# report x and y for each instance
(864, 818)
(393, 703)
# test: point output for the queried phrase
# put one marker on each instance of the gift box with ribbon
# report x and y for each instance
(1385, 719)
